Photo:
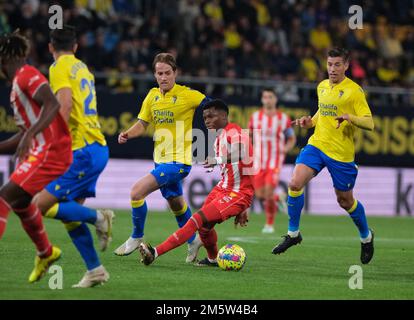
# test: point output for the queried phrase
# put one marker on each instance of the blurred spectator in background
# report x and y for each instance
(273, 39)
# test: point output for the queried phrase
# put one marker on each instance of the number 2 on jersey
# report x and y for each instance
(90, 86)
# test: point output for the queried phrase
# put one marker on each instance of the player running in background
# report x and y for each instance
(73, 84)
(43, 147)
(231, 197)
(171, 108)
(272, 138)
(342, 109)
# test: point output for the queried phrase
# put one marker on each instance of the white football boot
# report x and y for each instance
(128, 246)
(104, 228)
(193, 249)
(92, 278)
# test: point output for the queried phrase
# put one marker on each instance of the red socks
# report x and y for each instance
(209, 239)
(181, 235)
(4, 213)
(270, 210)
(31, 220)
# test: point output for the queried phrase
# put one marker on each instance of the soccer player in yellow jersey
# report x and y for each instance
(342, 110)
(73, 84)
(170, 107)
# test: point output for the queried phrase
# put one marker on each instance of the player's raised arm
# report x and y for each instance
(50, 107)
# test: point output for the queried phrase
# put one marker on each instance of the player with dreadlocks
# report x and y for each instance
(43, 147)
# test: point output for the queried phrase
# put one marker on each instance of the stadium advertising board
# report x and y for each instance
(395, 196)
(391, 143)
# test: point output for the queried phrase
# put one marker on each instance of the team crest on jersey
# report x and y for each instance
(174, 98)
(322, 91)
(156, 98)
(341, 93)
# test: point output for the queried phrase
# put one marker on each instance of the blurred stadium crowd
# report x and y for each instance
(274, 39)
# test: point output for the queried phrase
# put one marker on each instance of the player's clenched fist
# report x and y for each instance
(303, 122)
(123, 137)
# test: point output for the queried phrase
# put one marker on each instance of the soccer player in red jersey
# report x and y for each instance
(43, 147)
(272, 137)
(231, 197)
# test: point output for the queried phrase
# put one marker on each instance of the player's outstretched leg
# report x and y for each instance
(296, 201)
(194, 243)
(177, 239)
(139, 215)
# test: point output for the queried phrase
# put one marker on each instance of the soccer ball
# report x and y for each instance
(231, 257)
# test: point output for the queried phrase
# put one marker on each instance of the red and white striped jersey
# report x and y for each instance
(236, 176)
(269, 139)
(26, 82)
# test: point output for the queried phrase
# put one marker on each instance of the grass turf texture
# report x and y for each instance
(316, 269)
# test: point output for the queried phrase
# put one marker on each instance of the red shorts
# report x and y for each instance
(38, 170)
(267, 177)
(221, 204)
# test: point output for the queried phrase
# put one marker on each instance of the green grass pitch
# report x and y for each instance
(316, 269)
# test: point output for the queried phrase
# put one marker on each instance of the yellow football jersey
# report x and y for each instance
(346, 97)
(70, 72)
(172, 115)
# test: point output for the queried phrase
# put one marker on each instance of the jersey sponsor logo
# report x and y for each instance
(328, 109)
(163, 116)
